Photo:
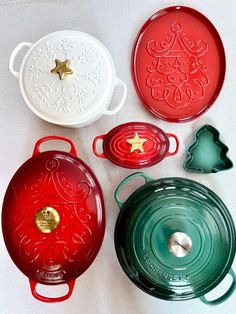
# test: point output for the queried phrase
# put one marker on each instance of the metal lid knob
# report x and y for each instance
(179, 244)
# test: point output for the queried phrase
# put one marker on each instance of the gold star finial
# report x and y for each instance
(62, 68)
(136, 143)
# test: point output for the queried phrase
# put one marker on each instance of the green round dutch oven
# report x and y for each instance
(175, 239)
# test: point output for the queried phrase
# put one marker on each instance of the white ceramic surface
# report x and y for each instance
(81, 97)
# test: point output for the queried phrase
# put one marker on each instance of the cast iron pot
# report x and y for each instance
(53, 218)
(136, 145)
(175, 239)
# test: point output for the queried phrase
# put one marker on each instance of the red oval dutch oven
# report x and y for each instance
(53, 218)
(136, 145)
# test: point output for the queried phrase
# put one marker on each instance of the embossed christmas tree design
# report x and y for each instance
(207, 154)
(178, 73)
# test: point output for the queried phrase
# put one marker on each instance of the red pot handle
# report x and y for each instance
(177, 144)
(42, 298)
(99, 137)
(54, 137)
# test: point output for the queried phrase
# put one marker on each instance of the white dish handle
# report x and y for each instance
(13, 56)
(122, 100)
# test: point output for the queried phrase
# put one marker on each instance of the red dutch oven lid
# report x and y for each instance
(135, 145)
(53, 218)
(178, 64)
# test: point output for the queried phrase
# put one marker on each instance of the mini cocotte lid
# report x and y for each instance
(67, 77)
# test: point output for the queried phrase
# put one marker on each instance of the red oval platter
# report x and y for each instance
(53, 218)
(178, 64)
(135, 145)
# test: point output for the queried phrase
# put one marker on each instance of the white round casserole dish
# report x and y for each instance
(79, 98)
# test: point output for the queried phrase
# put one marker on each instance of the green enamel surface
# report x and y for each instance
(207, 154)
(148, 219)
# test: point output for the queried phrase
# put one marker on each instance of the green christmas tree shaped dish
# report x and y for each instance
(207, 154)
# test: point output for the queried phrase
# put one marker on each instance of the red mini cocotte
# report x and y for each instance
(135, 145)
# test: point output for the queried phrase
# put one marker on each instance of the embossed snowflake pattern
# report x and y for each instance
(40, 94)
(93, 77)
(88, 54)
(36, 71)
(84, 89)
(66, 46)
(62, 102)
(45, 51)
(80, 93)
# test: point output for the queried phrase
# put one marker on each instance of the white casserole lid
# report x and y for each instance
(79, 96)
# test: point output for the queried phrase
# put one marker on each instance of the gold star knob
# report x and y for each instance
(136, 143)
(62, 68)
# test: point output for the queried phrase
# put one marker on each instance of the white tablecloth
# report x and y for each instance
(104, 288)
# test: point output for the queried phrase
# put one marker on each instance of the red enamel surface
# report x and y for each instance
(178, 64)
(62, 181)
(117, 150)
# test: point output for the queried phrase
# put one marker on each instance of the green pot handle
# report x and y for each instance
(226, 295)
(125, 181)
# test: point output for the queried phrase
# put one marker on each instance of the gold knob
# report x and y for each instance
(47, 219)
(62, 68)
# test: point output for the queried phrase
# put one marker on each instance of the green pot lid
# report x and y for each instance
(174, 238)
